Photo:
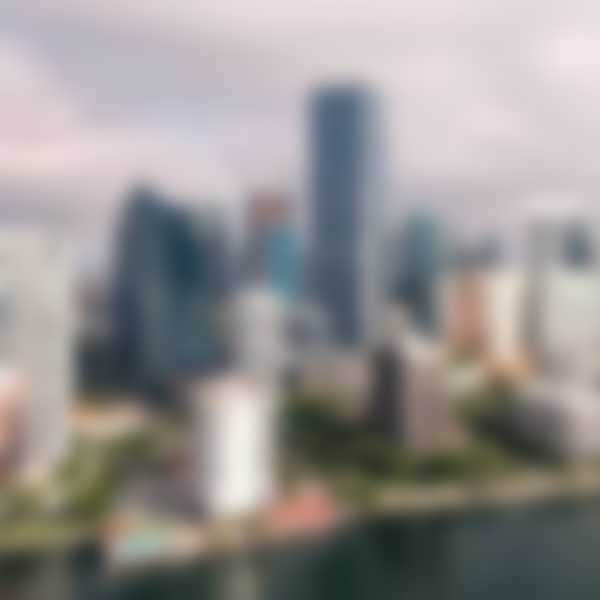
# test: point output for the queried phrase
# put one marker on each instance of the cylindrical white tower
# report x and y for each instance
(234, 445)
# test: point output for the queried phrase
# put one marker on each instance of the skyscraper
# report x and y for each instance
(422, 258)
(578, 247)
(272, 253)
(36, 334)
(564, 240)
(170, 281)
(563, 323)
(347, 169)
(234, 444)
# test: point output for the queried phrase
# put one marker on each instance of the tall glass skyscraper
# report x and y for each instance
(422, 259)
(347, 171)
(170, 281)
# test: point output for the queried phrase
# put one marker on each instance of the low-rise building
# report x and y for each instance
(410, 396)
(560, 418)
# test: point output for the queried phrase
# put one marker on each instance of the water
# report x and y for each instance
(548, 553)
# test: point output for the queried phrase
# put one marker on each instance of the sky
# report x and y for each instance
(491, 107)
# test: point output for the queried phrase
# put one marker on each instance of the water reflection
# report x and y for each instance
(546, 553)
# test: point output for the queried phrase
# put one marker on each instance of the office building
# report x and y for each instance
(272, 255)
(464, 313)
(308, 337)
(485, 318)
(578, 246)
(36, 332)
(504, 310)
(233, 450)
(95, 343)
(171, 280)
(563, 295)
(256, 321)
(422, 260)
(348, 185)
(409, 397)
(568, 324)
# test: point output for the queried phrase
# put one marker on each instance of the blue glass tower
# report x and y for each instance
(347, 193)
(578, 251)
(170, 280)
(272, 253)
(422, 259)
(281, 261)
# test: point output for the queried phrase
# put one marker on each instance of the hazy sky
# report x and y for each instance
(491, 105)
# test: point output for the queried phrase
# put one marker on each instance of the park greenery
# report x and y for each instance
(318, 439)
(323, 442)
(73, 502)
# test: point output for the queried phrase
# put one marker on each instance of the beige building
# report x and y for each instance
(485, 315)
(410, 394)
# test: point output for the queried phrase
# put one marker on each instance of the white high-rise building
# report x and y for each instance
(568, 323)
(35, 339)
(563, 297)
(233, 445)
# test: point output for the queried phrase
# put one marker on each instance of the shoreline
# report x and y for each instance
(405, 501)
(530, 488)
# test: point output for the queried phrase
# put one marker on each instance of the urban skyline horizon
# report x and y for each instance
(488, 113)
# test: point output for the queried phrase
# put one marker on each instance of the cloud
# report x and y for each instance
(272, 19)
(570, 57)
(33, 104)
(48, 138)
(488, 102)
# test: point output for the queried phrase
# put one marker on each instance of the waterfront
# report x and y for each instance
(545, 552)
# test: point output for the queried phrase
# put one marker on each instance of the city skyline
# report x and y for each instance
(490, 107)
(278, 276)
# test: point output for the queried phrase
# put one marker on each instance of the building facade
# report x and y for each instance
(409, 398)
(272, 254)
(568, 324)
(504, 309)
(422, 260)
(36, 341)
(348, 184)
(171, 279)
(233, 448)
(256, 333)
(563, 295)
